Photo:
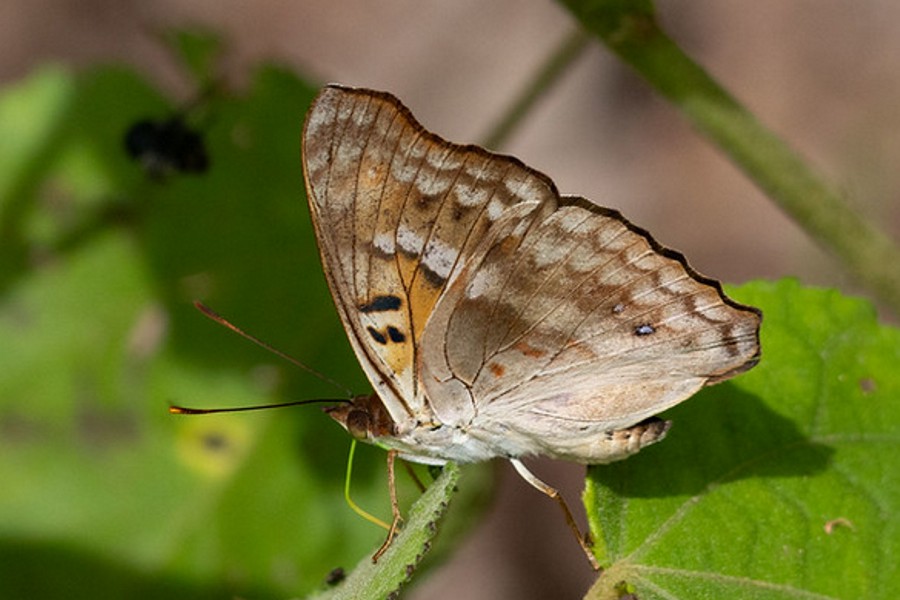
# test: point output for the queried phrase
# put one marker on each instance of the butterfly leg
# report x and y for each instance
(414, 477)
(539, 485)
(395, 507)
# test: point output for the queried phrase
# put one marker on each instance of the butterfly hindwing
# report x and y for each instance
(581, 326)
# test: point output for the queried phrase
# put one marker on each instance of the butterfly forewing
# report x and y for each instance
(398, 212)
(333, 151)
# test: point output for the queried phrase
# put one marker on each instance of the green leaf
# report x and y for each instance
(782, 483)
(396, 566)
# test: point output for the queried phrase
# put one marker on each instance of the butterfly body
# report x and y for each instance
(494, 317)
(436, 443)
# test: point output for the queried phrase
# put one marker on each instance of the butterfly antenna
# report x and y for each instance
(225, 322)
(184, 410)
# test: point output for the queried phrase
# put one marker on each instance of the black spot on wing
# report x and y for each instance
(644, 329)
(391, 334)
(395, 334)
(382, 304)
(376, 335)
(433, 278)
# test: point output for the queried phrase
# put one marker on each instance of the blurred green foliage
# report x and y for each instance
(102, 489)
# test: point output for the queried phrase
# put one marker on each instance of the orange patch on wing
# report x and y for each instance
(422, 298)
(529, 350)
(497, 370)
(509, 245)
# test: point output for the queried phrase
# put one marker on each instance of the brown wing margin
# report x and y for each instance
(680, 258)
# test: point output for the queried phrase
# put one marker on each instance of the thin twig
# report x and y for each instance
(542, 81)
(630, 29)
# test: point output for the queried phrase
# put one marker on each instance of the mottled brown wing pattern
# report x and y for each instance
(398, 212)
(493, 317)
(583, 319)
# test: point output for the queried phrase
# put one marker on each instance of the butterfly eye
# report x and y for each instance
(358, 424)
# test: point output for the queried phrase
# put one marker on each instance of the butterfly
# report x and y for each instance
(493, 316)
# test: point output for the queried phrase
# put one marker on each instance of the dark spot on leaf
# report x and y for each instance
(335, 576)
(215, 441)
(867, 385)
(625, 591)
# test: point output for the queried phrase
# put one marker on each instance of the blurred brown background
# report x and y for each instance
(823, 74)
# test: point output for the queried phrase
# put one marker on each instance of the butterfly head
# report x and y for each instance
(364, 417)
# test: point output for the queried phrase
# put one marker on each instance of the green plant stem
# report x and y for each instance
(630, 29)
(543, 80)
(397, 565)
